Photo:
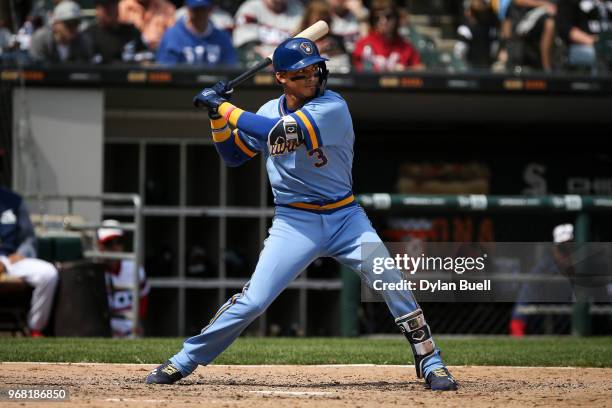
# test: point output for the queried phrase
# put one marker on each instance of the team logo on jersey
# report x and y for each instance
(285, 137)
(8, 217)
(306, 47)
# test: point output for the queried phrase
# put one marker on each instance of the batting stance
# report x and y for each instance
(307, 138)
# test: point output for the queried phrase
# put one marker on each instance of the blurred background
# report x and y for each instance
(453, 103)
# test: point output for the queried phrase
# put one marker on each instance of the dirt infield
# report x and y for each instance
(121, 385)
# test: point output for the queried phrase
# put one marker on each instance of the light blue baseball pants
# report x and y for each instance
(297, 237)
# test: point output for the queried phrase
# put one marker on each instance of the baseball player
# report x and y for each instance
(307, 138)
(18, 259)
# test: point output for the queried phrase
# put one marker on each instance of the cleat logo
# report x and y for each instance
(439, 372)
(169, 370)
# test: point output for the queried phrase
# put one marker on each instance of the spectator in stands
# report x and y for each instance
(534, 23)
(263, 24)
(17, 259)
(383, 49)
(120, 280)
(349, 21)
(112, 41)
(331, 46)
(219, 17)
(478, 34)
(580, 24)
(151, 17)
(557, 263)
(44, 10)
(500, 7)
(62, 42)
(20, 42)
(5, 36)
(195, 40)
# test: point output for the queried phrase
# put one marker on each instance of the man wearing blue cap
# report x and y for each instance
(195, 40)
(307, 138)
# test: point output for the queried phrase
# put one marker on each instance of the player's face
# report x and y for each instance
(303, 83)
(113, 245)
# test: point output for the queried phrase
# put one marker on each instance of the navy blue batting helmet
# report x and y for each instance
(296, 53)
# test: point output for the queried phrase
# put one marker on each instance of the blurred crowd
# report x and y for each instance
(373, 36)
(541, 34)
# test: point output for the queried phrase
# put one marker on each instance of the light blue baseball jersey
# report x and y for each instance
(317, 167)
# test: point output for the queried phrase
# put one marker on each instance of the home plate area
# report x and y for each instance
(122, 385)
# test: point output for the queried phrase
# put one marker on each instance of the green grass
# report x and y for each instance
(547, 351)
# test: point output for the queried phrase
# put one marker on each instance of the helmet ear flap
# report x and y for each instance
(323, 74)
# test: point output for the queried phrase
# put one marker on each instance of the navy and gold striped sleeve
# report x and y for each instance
(234, 148)
(257, 126)
(324, 120)
(244, 144)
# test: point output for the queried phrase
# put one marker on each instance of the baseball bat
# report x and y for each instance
(313, 33)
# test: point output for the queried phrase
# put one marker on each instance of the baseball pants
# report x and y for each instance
(43, 277)
(296, 238)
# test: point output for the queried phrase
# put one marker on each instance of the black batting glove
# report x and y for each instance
(208, 98)
(223, 89)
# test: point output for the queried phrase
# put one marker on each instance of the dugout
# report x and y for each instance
(134, 131)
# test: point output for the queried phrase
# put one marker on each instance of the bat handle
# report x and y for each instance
(249, 73)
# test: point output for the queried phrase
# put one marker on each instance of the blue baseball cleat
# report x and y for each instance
(441, 379)
(166, 373)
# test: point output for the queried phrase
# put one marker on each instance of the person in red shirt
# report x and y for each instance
(383, 49)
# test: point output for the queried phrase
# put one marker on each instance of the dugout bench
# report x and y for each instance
(81, 304)
(16, 294)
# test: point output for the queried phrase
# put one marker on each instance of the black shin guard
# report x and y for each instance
(417, 332)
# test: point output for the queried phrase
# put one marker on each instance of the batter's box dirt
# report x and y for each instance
(122, 385)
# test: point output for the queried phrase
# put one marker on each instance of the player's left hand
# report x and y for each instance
(208, 98)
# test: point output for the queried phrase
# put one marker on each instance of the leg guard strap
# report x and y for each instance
(417, 332)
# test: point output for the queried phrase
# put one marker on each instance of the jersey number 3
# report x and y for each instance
(321, 158)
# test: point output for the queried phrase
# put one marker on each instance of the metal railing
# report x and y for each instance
(581, 206)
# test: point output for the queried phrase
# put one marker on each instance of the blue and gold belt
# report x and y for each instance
(323, 207)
